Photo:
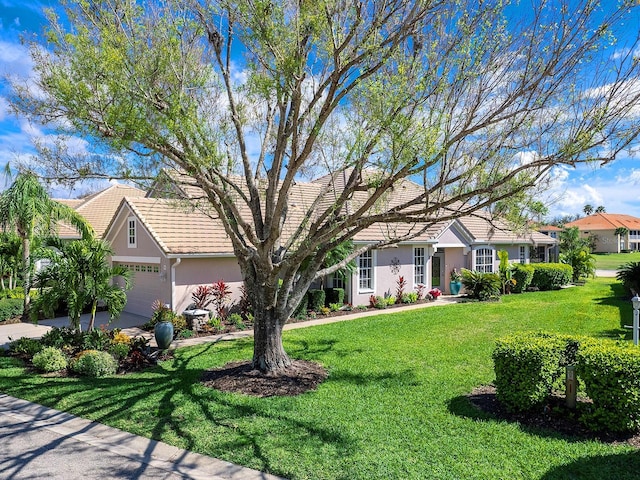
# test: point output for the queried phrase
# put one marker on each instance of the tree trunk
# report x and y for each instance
(26, 277)
(268, 353)
(92, 320)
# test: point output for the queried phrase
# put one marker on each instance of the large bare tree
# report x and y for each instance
(416, 112)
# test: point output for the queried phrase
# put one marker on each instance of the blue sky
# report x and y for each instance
(616, 186)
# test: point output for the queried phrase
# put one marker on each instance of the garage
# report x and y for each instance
(147, 288)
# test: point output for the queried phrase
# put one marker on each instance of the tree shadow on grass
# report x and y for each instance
(620, 466)
(197, 418)
(552, 420)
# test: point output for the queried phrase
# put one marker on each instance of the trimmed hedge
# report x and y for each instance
(611, 375)
(10, 308)
(334, 295)
(551, 276)
(526, 367)
(522, 274)
(316, 299)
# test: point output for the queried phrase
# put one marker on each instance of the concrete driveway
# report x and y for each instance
(15, 331)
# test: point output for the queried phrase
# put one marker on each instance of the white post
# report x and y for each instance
(636, 313)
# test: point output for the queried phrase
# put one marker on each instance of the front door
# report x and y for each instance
(437, 277)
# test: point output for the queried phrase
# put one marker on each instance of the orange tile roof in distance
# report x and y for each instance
(606, 221)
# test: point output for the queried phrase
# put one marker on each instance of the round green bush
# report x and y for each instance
(49, 359)
(93, 363)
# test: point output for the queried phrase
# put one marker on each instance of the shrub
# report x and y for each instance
(629, 275)
(215, 323)
(119, 350)
(96, 340)
(391, 300)
(10, 308)
(526, 367)
(316, 299)
(237, 321)
(481, 286)
(361, 307)
(179, 324)
(551, 276)
(325, 310)
(611, 376)
(186, 334)
(522, 274)
(93, 363)
(401, 284)
(411, 297)
(334, 307)
(25, 346)
(377, 301)
(334, 295)
(120, 337)
(49, 359)
(64, 337)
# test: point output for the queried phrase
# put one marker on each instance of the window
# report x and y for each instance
(418, 266)
(338, 280)
(131, 232)
(365, 271)
(484, 260)
(523, 254)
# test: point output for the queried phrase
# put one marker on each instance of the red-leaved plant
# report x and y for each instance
(401, 285)
(220, 293)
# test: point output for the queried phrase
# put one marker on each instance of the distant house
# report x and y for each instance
(553, 232)
(602, 226)
(172, 247)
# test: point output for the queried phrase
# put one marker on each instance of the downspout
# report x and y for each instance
(173, 281)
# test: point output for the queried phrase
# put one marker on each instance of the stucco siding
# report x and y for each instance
(192, 272)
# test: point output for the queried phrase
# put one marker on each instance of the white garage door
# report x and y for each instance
(147, 288)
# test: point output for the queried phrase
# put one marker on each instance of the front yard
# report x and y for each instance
(394, 404)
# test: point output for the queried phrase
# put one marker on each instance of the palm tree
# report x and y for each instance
(80, 274)
(620, 232)
(9, 258)
(588, 209)
(26, 208)
(601, 209)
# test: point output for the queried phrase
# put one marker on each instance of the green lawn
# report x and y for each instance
(392, 407)
(612, 261)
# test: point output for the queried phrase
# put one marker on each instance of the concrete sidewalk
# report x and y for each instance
(39, 442)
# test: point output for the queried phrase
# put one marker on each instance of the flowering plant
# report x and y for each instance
(435, 293)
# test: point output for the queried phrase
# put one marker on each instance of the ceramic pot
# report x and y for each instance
(163, 331)
(454, 287)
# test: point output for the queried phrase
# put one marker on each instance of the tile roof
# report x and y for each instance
(484, 229)
(99, 208)
(606, 221)
(179, 228)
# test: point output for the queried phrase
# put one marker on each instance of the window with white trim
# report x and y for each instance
(484, 260)
(418, 266)
(365, 271)
(131, 232)
(523, 254)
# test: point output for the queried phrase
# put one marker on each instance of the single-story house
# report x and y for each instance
(602, 226)
(172, 249)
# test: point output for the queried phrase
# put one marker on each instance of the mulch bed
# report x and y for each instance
(239, 377)
(554, 416)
